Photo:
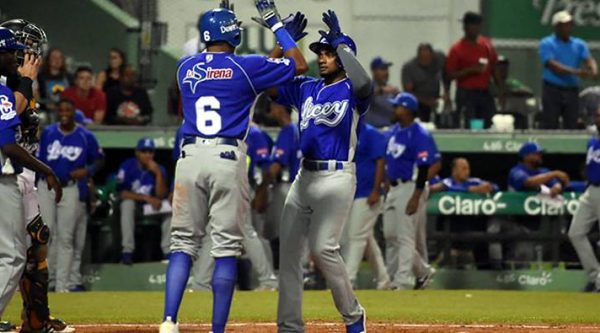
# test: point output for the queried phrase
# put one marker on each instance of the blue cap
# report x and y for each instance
(145, 144)
(379, 62)
(406, 100)
(323, 42)
(530, 148)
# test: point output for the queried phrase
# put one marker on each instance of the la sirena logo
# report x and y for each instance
(199, 74)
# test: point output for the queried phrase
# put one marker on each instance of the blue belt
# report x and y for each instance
(322, 165)
(187, 140)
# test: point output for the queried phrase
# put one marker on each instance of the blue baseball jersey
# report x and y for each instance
(519, 174)
(592, 161)
(258, 151)
(132, 177)
(218, 90)
(371, 147)
(286, 152)
(65, 152)
(452, 185)
(409, 147)
(9, 124)
(328, 116)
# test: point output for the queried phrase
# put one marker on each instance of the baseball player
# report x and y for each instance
(218, 89)
(13, 158)
(74, 155)
(410, 146)
(320, 198)
(140, 180)
(367, 205)
(587, 214)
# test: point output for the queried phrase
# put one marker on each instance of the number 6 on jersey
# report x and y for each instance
(208, 120)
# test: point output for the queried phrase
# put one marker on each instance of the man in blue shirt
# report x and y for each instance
(358, 232)
(529, 175)
(410, 146)
(73, 153)
(140, 181)
(587, 215)
(461, 180)
(562, 56)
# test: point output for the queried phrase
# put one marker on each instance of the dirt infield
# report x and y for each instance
(337, 328)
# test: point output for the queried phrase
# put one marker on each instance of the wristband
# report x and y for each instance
(285, 40)
(26, 87)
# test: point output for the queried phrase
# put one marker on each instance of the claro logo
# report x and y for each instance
(451, 205)
(540, 206)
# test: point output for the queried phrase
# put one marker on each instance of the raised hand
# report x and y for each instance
(295, 25)
(334, 36)
(268, 11)
(226, 5)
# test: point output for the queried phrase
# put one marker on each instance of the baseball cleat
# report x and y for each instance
(360, 326)
(384, 285)
(169, 327)
(6, 326)
(422, 282)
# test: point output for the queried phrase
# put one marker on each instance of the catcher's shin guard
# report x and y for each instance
(34, 283)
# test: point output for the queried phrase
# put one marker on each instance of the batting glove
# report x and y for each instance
(334, 36)
(268, 11)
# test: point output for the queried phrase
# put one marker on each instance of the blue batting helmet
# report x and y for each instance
(220, 25)
(317, 46)
(8, 41)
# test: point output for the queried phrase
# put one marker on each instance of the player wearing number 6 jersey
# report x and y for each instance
(218, 89)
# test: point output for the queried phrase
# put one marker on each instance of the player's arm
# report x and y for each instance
(483, 188)
(438, 187)
(434, 169)
(161, 190)
(21, 156)
(413, 202)
(361, 82)
(269, 14)
(274, 171)
(29, 72)
(543, 178)
(377, 184)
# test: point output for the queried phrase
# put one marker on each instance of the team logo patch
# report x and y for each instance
(395, 149)
(198, 74)
(593, 155)
(329, 114)
(7, 112)
(423, 155)
(56, 151)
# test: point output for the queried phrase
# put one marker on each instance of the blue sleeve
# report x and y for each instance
(362, 105)
(264, 73)
(585, 51)
(290, 94)
(517, 178)
(425, 149)
(94, 152)
(546, 51)
(379, 145)
(261, 150)
(9, 120)
(284, 146)
(42, 152)
(123, 179)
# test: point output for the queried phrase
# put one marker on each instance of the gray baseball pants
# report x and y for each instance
(316, 209)
(586, 216)
(358, 237)
(66, 222)
(128, 208)
(405, 237)
(13, 239)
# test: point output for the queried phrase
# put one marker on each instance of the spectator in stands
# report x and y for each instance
(141, 181)
(562, 55)
(53, 79)
(381, 112)
(422, 76)
(530, 176)
(127, 103)
(461, 180)
(117, 62)
(91, 101)
(471, 63)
